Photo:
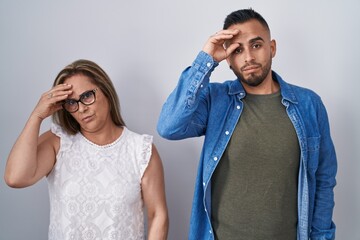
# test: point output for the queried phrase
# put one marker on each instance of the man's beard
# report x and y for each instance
(254, 79)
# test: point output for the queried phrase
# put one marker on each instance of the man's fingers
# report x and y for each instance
(231, 48)
(227, 32)
(224, 35)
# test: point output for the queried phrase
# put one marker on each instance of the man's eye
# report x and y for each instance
(238, 50)
(256, 45)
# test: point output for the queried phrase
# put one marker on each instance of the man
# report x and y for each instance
(268, 164)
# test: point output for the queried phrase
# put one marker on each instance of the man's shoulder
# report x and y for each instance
(303, 92)
(304, 98)
(225, 85)
(296, 92)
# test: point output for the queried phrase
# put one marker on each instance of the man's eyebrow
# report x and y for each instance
(252, 40)
(256, 39)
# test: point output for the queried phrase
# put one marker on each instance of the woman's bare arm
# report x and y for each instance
(32, 157)
(153, 190)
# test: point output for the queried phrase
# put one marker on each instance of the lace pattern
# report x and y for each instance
(146, 152)
(95, 191)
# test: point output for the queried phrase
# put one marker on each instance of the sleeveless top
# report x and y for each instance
(95, 191)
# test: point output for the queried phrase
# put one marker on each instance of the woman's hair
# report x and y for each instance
(101, 80)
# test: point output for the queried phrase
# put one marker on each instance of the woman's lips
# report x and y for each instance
(87, 118)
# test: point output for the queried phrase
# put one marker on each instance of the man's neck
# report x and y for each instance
(268, 86)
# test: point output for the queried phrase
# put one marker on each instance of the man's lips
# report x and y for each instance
(250, 67)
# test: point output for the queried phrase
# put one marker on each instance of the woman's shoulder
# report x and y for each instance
(135, 135)
(57, 130)
(50, 139)
(60, 138)
(143, 142)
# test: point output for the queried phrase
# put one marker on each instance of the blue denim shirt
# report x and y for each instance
(197, 107)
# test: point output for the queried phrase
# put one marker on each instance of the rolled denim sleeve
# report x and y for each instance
(184, 114)
(322, 227)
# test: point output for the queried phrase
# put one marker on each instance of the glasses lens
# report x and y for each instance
(88, 97)
(70, 105)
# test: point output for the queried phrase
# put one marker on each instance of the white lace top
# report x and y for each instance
(95, 191)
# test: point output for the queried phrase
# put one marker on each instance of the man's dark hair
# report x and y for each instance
(244, 15)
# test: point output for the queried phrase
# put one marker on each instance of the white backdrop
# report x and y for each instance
(144, 46)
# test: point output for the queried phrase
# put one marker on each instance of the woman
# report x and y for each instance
(99, 173)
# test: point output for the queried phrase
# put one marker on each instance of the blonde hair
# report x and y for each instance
(101, 80)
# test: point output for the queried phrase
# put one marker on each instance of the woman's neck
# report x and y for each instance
(104, 136)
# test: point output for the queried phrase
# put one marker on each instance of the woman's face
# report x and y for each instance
(94, 117)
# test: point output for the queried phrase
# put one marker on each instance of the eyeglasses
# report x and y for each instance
(87, 98)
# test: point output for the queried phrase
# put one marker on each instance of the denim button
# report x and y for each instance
(201, 85)
(227, 132)
(215, 158)
(208, 64)
(204, 184)
(238, 107)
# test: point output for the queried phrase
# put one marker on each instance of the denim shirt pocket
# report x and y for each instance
(313, 149)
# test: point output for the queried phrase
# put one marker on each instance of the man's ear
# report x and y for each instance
(228, 61)
(273, 48)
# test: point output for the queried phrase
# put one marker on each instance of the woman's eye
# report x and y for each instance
(70, 102)
(86, 95)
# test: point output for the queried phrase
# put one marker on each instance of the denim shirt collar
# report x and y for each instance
(286, 91)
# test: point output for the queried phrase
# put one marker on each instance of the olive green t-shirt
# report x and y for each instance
(254, 187)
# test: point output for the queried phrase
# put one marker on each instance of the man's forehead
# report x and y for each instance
(248, 31)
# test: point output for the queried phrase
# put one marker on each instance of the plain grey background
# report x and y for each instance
(144, 46)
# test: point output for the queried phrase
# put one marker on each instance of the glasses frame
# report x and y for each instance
(81, 97)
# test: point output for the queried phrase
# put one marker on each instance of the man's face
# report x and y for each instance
(251, 61)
